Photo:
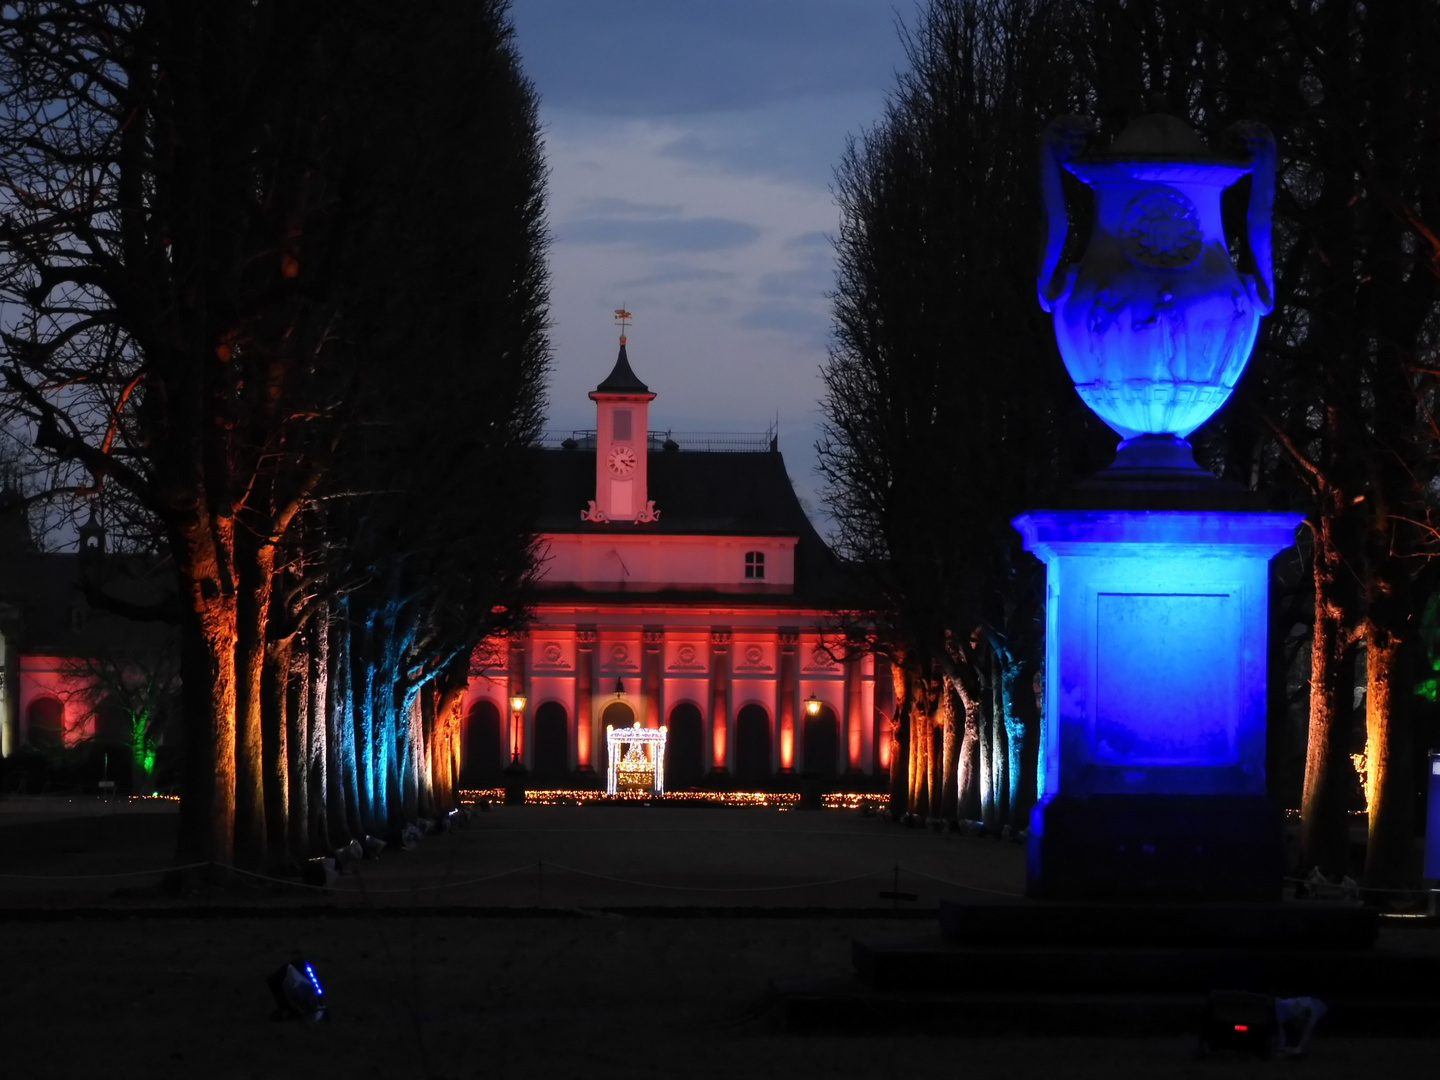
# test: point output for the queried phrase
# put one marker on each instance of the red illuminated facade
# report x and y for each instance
(683, 585)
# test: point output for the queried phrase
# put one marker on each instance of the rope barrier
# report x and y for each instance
(97, 877)
(381, 892)
(961, 884)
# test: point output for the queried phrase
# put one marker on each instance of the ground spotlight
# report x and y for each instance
(297, 991)
(1238, 1020)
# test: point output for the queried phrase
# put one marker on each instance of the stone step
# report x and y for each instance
(847, 1007)
(935, 964)
(1313, 925)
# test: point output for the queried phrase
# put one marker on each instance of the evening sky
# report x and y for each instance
(691, 147)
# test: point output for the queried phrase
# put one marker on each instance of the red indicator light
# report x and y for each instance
(1242, 1027)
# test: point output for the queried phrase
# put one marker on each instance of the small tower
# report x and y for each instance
(622, 442)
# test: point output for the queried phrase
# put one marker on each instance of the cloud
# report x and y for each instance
(798, 139)
(662, 235)
(810, 241)
(610, 207)
(676, 274)
(808, 322)
(654, 57)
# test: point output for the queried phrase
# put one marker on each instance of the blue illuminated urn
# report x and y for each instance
(1152, 764)
(1156, 322)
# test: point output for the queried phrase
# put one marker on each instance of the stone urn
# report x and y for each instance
(1156, 321)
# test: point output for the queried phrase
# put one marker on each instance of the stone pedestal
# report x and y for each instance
(1152, 777)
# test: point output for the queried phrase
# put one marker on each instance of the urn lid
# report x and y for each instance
(1158, 147)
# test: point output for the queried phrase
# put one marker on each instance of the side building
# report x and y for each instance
(683, 586)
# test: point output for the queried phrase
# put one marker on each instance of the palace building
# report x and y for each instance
(684, 587)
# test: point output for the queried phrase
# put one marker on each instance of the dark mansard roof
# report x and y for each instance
(700, 493)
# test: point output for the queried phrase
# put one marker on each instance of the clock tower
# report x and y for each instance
(622, 441)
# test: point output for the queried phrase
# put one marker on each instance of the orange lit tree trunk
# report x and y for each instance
(207, 642)
(950, 760)
(900, 739)
(1324, 831)
(253, 760)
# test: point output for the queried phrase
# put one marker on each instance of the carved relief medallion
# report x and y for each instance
(620, 653)
(1161, 228)
(685, 654)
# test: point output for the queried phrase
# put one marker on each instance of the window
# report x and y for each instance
(754, 565)
(622, 424)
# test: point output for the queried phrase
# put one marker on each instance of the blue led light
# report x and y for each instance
(314, 980)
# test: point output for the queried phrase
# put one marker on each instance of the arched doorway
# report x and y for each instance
(552, 738)
(46, 723)
(684, 747)
(820, 744)
(752, 745)
(481, 747)
(617, 714)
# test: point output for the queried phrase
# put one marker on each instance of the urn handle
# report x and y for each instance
(1062, 140)
(1257, 145)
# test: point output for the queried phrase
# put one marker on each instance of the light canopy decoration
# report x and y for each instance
(637, 759)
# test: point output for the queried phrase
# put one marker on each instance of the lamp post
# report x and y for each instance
(517, 717)
(515, 771)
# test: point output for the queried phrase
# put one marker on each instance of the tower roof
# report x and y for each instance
(622, 380)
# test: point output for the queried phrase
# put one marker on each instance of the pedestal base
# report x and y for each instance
(1155, 847)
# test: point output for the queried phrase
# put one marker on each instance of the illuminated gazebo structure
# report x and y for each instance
(637, 760)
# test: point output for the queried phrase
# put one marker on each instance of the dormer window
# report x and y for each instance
(754, 566)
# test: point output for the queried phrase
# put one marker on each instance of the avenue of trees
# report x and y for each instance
(274, 290)
(949, 411)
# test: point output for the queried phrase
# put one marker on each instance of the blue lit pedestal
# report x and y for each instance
(1153, 750)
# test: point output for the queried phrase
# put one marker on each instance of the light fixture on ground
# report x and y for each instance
(297, 992)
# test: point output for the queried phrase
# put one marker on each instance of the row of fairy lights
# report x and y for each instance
(843, 800)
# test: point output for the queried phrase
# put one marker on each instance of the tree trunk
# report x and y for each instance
(987, 747)
(298, 740)
(1389, 777)
(320, 752)
(207, 649)
(969, 803)
(1324, 829)
(254, 761)
(275, 690)
(346, 820)
(207, 803)
(950, 782)
(1019, 723)
(900, 741)
(922, 738)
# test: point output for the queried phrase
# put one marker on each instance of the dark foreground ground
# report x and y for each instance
(524, 975)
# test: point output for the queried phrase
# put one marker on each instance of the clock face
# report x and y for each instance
(621, 461)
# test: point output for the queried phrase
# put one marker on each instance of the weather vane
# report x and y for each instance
(622, 317)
